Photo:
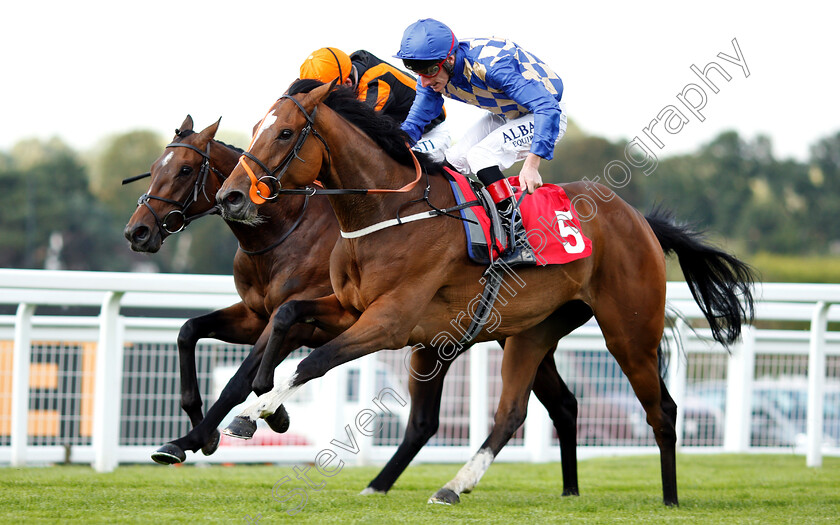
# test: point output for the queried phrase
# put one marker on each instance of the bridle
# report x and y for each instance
(270, 182)
(268, 187)
(200, 188)
(176, 220)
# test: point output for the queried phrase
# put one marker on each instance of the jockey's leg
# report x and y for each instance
(519, 252)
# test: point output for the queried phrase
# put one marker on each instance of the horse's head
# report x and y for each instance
(182, 189)
(280, 156)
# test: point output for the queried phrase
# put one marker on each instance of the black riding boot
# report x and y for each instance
(519, 252)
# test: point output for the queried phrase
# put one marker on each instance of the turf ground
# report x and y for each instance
(713, 489)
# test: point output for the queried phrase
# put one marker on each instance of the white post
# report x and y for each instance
(816, 380)
(108, 385)
(739, 387)
(479, 416)
(21, 356)
(677, 376)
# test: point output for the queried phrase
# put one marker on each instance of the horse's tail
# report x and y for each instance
(720, 283)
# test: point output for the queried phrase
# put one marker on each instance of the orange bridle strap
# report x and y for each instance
(258, 188)
(411, 184)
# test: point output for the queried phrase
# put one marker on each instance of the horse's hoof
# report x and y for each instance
(370, 490)
(213, 445)
(241, 428)
(571, 492)
(279, 420)
(169, 454)
(445, 497)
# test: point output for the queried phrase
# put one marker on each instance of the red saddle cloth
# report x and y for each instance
(551, 223)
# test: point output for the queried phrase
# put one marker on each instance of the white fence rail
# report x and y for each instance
(88, 373)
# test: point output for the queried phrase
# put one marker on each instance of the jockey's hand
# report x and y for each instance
(529, 176)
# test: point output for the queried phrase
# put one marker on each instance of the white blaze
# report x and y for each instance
(267, 122)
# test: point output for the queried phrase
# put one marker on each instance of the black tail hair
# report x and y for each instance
(719, 282)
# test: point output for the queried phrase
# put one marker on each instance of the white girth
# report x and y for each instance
(391, 222)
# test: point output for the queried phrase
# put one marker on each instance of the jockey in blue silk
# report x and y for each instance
(522, 95)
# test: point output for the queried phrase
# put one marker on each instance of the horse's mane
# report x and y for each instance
(384, 130)
(229, 146)
(184, 133)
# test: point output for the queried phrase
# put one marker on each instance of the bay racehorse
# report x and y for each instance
(403, 285)
(282, 259)
(283, 255)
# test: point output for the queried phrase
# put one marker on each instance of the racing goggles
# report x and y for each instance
(427, 71)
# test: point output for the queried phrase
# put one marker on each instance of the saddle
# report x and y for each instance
(552, 226)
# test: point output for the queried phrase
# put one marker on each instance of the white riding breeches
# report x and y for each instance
(496, 141)
(435, 142)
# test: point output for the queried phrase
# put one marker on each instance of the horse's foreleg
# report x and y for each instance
(205, 435)
(325, 313)
(385, 324)
(522, 357)
(562, 407)
(423, 419)
(234, 324)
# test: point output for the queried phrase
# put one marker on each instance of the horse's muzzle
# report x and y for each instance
(235, 205)
(141, 238)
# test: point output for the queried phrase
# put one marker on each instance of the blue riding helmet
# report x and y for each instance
(427, 39)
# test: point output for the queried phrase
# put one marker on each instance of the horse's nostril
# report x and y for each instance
(140, 234)
(233, 197)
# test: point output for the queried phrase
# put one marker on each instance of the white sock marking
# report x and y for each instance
(469, 475)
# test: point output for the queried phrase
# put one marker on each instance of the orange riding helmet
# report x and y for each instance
(327, 64)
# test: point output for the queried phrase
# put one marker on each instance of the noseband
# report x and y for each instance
(178, 216)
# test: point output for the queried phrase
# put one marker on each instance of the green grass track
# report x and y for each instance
(727, 489)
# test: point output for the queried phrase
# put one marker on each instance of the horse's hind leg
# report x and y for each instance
(632, 333)
(556, 397)
(562, 408)
(668, 462)
(426, 389)
(520, 361)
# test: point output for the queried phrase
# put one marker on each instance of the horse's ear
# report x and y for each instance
(208, 133)
(317, 95)
(187, 125)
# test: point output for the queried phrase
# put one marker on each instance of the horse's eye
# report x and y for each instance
(185, 170)
(286, 134)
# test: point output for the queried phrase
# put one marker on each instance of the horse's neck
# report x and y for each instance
(356, 161)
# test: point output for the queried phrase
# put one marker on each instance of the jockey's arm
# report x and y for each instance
(529, 175)
(427, 105)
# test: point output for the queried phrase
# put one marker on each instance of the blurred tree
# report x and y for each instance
(580, 157)
(123, 156)
(824, 175)
(48, 213)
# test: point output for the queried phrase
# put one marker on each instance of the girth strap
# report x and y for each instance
(401, 220)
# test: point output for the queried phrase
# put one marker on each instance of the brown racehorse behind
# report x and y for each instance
(279, 260)
(403, 285)
(283, 256)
